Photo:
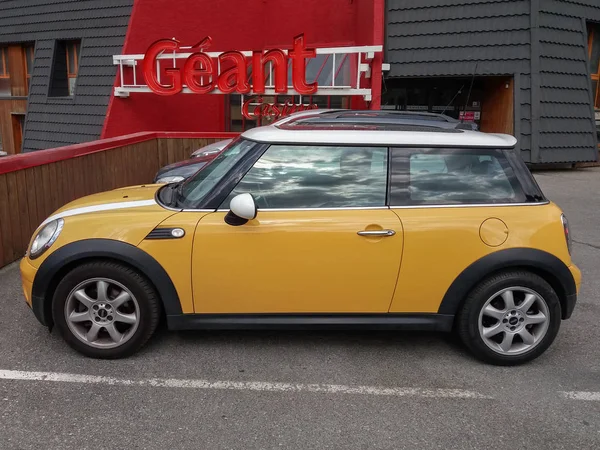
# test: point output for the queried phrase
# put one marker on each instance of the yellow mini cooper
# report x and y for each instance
(334, 219)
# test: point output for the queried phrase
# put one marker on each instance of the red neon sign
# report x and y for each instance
(199, 67)
(254, 108)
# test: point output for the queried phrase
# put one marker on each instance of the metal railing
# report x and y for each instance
(349, 65)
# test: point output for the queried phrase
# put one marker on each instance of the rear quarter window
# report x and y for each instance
(452, 177)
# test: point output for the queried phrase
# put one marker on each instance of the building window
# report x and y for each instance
(18, 123)
(73, 49)
(594, 59)
(4, 72)
(65, 68)
(28, 51)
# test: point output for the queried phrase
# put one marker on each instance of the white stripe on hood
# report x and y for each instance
(96, 208)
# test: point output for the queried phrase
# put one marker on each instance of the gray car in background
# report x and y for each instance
(182, 170)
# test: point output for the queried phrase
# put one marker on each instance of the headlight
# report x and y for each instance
(174, 179)
(46, 237)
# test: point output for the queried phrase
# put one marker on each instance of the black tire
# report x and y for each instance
(467, 324)
(143, 291)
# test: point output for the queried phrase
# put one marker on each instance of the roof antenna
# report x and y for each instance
(451, 101)
(469, 95)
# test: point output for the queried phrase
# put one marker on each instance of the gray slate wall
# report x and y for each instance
(566, 115)
(101, 25)
(543, 38)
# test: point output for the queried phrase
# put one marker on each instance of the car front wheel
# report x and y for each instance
(105, 310)
(510, 318)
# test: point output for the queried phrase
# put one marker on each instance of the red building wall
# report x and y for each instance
(233, 25)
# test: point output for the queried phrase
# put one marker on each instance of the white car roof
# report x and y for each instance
(391, 137)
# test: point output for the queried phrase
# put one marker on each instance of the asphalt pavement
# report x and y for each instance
(309, 390)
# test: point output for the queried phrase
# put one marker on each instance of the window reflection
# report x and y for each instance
(316, 177)
(197, 186)
(451, 178)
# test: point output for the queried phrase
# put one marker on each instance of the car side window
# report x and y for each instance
(295, 176)
(452, 176)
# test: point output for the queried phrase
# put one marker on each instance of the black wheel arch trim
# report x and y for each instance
(87, 249)
(547, 265)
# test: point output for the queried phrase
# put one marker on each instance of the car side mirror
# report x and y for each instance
(242, 208)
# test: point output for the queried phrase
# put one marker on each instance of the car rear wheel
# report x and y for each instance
(105, 310)
(510, 318)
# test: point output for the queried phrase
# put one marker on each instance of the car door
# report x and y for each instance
(455, 207)
(323, 240)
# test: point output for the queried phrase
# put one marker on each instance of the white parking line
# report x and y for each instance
(581, 395)
(242, 385)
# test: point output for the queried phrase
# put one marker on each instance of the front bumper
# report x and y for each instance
(571, 299)
(570, 302)
(28, 273)
(27, 276)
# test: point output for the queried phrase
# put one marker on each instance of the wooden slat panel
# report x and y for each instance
(97, 174)
(6, 223)
(77, 177)
(153, 160)
(66, 182)
(26, 227)
(161, 152)
(116, 164)
(15, 213)
(54, 189)
(92, 174)
(39, 188)
(123, 169)
(47, 206)
(103, 170)
(132, 171)
(83, 168)
(138, 154)
(29, 196)
(30, 182)
(171, 144)
(69, 174)
(184, 149)
(89, 173)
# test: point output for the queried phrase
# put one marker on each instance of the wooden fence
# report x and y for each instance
(35, 184)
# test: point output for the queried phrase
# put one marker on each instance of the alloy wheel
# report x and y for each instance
(102, 313)
(514, 321)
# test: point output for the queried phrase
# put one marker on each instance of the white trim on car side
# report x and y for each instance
(198, 210)
(349, 208)
(469, 205)
(473, 205)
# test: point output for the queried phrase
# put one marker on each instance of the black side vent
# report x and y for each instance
(165, 233)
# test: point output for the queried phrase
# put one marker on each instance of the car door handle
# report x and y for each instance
(376, 233)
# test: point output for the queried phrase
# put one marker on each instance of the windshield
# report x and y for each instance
(197, 186)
